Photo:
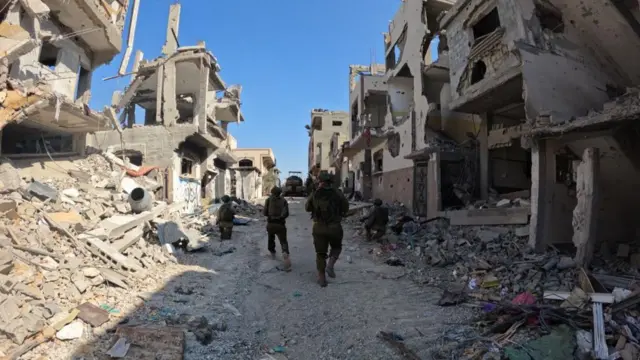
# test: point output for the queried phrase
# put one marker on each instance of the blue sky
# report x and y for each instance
(289, 55)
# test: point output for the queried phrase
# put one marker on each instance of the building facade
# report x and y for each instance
(45, 74)
(257, 166)
(187, 107)
(324, 124)
(548, 82)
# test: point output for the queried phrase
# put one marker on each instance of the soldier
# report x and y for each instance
(225, 218)
(276, 209)
(327, 207)
(376, 220)
(309, 184)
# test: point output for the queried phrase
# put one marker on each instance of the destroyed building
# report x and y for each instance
(186, 107)
(542, 77)
(257, 169)
(50, 49)
(367, 111)
(324, 124)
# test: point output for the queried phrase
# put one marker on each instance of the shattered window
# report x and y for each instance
(488, 24)
(49, 55)
(186, 166)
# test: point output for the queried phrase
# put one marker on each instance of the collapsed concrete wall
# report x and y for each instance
(157, 144)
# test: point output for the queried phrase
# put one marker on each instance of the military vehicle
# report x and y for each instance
(294, 185)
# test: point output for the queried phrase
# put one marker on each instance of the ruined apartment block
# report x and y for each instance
(406, 48)
(324, 124)
(367, 111)
(186, 107)
(541, 69)
(261, 172)
(50, 49)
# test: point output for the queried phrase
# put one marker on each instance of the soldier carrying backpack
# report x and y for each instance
(225, 218)
(276, 209)
(327, 206)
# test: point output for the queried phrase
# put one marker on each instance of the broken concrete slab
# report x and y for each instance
(9, 309)
(118, 225)
(42, 191)
(80, 282)
(71, 331)
(508, 216)
(110, 252)
(9, 178)
(130, 238)
(488, 236)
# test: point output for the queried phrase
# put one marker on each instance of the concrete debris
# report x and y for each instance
(75, 238)
(496, 268)
(71, 331)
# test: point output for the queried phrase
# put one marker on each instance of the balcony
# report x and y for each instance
(227, 107)
(370, 138)
(98, 23)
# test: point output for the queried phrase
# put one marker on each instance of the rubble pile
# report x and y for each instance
(519, 199)
(71, 248)
(532, 305)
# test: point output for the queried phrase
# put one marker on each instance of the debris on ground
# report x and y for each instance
(530, 305)
(73, 245)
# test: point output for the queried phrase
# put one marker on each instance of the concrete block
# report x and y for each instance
(623, 250)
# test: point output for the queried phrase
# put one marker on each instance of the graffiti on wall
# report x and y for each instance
(188, 191)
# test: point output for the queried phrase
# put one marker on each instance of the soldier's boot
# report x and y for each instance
(321, 265)
(287, 262)
(332, 262)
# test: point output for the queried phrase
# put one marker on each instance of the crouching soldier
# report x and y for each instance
(276, 209)
(327, 207)
(376, 220)
(226, 215)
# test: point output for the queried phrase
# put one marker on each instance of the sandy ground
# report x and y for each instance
(255, 307)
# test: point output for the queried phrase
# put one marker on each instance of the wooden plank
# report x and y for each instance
(605, 298)
(154, 342)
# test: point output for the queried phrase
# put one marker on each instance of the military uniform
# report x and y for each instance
(309, 185)
(376, 220)
(327, 207)
(276, 209)
(225, 217)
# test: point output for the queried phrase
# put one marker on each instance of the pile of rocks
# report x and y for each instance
(493, 262)
(71, 249)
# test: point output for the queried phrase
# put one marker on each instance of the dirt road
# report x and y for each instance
(255, 308)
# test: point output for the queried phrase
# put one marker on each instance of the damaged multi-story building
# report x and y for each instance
(542, 78)
(324, 124)
(396, 112)
(186, 108)
(367, 110)
(257, 168)
(50, 49)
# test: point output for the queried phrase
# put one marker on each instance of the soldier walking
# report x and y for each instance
(225, 217)
(276, 209)
(327, 207)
